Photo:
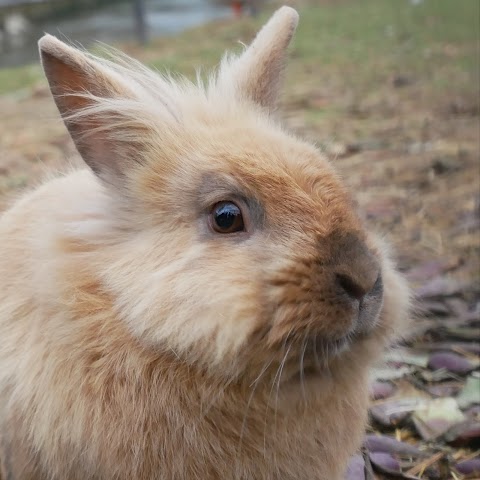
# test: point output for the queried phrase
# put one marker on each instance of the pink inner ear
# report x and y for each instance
(65, 79)
(71, 75)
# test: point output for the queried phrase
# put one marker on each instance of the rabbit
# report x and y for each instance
(200, 300)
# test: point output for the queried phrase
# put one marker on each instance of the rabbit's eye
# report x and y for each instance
(226, 217)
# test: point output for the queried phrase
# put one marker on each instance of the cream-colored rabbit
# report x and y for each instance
(203, 301)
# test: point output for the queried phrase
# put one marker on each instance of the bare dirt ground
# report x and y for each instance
(397, 110)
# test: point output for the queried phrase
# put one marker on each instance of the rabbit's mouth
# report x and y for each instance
(312, 358)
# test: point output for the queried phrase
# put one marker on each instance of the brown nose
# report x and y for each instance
(355, 287)
(357, 271)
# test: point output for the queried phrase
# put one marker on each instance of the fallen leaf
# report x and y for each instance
(369, 475)
(408, 357)
(384, 462)
(390, 373)
(471, 392)
(355, 468)
(437, 375)
(385, 444)
(435, 417)
(450, 361)
(468, 467)
(444, 389)
(381, 390)
(393, 412)
(463, 433)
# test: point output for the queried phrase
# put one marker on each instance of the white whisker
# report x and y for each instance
(254, 384)
(302, 366)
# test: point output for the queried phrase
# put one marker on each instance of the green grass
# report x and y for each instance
(356, 42)
(13, 79)
(363, 40)
(360, 39)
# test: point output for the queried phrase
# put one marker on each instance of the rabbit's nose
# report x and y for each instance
(356, 271)
(357, 286)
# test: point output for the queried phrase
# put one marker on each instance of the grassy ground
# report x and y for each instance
(388, 89)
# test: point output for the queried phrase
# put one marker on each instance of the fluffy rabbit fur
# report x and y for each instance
(139, 343)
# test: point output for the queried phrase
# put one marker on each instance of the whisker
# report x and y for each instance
(302, 367)
(278, 382)
(264, 369)
(278, 387)
(315, 353)
(326, 362)
(270, 395)
(254, 384)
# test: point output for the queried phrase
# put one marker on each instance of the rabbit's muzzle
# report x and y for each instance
(333, 296)
(326, 301)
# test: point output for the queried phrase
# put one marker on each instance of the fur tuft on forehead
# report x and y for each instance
(113, 106)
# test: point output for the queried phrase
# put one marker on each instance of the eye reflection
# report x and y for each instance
(226, 217)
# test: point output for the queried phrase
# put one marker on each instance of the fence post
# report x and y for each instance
(140, 21)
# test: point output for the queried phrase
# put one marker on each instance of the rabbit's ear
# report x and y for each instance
(78, 83)
(257, 73)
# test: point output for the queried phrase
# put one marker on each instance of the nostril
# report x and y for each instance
(350, 286)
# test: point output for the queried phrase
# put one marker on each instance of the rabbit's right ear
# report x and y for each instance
(80, 84)
(256, 75)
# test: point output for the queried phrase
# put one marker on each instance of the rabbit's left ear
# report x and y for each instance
(87, 95)
(256, 75)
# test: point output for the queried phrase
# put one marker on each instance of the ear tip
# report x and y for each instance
(48, 42)
(51, 46)
(287, 14)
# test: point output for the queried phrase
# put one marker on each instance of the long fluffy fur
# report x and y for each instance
(137, 344)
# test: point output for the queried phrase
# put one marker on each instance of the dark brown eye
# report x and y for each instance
(226, 217)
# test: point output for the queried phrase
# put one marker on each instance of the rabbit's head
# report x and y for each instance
(233, 243)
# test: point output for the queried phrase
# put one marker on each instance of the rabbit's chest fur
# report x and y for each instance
(83, 394)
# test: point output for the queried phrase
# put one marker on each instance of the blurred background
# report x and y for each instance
(85, 21)
(389, 89)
